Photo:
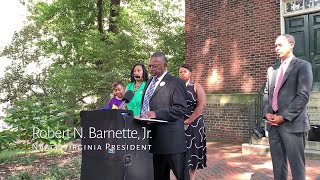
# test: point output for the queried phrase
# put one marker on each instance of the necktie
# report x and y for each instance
(147, 97)
(276, 91)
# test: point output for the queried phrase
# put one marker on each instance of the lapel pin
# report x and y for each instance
(162, 83)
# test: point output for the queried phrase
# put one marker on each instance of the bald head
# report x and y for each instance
(289, 38)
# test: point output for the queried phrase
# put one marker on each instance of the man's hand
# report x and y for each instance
(270, 117)
(149, 115)
(276, 120)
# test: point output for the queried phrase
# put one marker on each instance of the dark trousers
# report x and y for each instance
(162, 163)
(287, 146)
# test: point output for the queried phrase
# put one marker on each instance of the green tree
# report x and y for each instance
(82, 47)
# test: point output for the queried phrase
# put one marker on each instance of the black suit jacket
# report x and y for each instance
(169, 102)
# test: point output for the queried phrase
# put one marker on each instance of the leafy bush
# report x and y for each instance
(7, 139)
(31, 119)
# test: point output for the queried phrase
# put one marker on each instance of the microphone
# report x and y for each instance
(104, 98)
(127, 97)
(135, 76)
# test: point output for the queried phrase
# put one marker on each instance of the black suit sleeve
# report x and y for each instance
(178, 107)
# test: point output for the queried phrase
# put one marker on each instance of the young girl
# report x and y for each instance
(118, 92)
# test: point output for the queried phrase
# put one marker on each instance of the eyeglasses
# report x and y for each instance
(154, 66)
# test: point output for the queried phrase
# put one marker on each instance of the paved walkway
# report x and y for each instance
(225, 162)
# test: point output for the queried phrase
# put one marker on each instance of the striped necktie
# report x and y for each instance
(147, 97)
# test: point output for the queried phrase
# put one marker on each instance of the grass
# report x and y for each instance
(49, 164)
(54, 172)
(25, 157)
(13, 152)
(18, 159)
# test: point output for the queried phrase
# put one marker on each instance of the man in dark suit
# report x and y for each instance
(286, 95)
(165, 98)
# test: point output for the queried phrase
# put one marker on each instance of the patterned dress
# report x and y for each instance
(195, 134)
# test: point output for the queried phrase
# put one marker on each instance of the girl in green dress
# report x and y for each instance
(139, 77)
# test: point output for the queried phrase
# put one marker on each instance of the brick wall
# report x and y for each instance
(231, 43)
(226, 123)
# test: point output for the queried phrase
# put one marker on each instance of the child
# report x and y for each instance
(118, 92)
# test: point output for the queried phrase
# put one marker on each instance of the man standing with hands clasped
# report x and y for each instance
(164, 98)
(286, 95)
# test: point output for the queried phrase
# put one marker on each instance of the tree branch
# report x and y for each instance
(114, 14)
(99, 16)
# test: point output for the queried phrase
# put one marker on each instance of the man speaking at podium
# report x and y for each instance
(164, 98)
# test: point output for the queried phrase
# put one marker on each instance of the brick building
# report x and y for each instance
(231, 44)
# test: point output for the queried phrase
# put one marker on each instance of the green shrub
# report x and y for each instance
(31, 114)
(7, 139)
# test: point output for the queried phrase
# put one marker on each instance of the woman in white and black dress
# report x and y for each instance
(195, 132)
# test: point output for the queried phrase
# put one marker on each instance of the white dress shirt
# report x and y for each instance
(157, 83)
(284, 65)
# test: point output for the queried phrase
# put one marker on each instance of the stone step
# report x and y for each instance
(264, 141)
(313, 109)
(313, 145)
(312, 154)
(254, 149)
(314, 106)
(314, 122)
(314, 115)
(263, 150)
(314, 103)
(314, 118)
(314, 99)
(315, 95)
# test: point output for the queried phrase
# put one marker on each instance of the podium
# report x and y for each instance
(114, 146)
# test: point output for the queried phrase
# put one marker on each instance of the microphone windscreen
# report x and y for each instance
(135, 76)
(128, 96)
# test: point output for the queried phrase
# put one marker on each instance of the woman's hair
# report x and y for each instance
(115, 84)
(144, 74)
(187, 67)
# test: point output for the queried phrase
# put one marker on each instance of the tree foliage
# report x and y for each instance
(79, 48)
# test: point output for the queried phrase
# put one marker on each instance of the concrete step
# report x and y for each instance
(255, 149)
(314, 118)
(315, 95)
(313, 103)
(263, 150)
(264, 141)
(313, 145)
(312, 154)
(313, 109)
(313, 98)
